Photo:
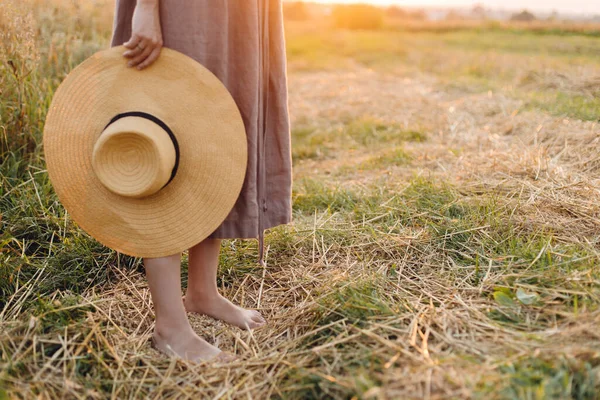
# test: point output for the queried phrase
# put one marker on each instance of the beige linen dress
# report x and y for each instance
(242, 43)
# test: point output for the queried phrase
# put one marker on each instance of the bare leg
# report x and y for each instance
(202, 295)
(172, 332)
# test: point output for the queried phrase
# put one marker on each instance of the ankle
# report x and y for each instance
(200, 295)
(170, 330)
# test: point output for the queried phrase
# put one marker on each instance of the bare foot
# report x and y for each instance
(220, 308)
(188, 345)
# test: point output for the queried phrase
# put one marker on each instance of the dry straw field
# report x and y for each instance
(446, 234)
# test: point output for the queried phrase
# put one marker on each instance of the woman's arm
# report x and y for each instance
(146, 36)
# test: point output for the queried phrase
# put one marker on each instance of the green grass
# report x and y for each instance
(390, 158)
(356, 302)
(38, 238)
(473, 59)
(473, 234)
(332, 49)
(572, 48)
(585, 107)
(316, 196)
(537, 293)
(390, 282)
(57, 314)
(545, 378)
(363, 133)
(376, 47)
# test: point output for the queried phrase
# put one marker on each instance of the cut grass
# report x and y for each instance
(356, 302)
(474, 59)
(367, 245)
(474, 234)
(385, 285)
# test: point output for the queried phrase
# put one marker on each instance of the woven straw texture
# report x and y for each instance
(205, 121)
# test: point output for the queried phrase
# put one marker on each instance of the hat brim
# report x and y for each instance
(208, 128)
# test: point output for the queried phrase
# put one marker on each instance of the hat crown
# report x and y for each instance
(134, 157)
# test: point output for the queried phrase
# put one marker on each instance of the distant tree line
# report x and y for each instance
(524, 16)
(364, 16)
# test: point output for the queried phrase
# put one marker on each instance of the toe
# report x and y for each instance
(259, 319)
(254, 324)
(257, 316)
(225, 357)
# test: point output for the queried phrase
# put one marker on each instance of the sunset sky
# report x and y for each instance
(572, 6)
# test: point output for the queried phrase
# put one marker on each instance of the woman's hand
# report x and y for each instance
(146, 36)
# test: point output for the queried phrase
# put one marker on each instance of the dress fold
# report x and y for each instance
(243, 44)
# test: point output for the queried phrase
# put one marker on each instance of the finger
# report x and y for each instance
(133, 42)
(134, 52)
(150, 59)
(142, 45)
(138, 59)
(138, 49)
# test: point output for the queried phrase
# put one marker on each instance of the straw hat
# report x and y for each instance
(147, 162)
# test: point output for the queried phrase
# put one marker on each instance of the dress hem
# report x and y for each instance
(242, 229)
